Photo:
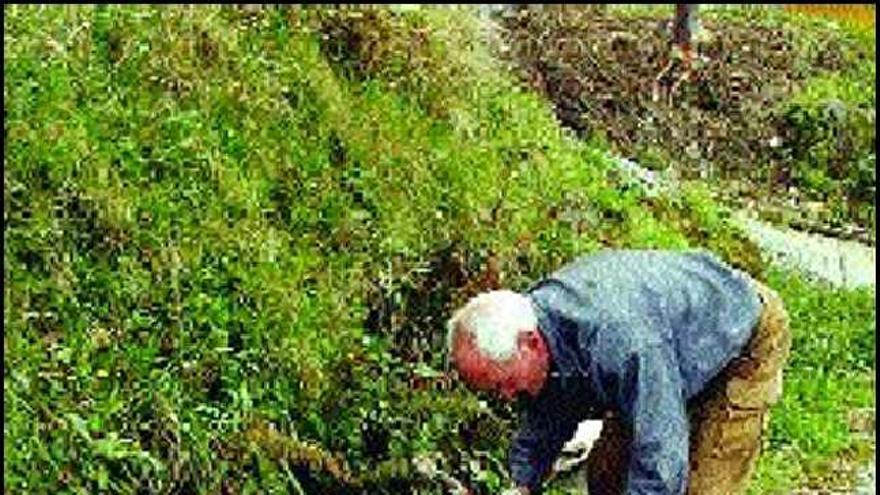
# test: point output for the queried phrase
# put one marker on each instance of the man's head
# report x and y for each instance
(495, 344)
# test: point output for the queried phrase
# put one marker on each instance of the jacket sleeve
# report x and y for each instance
(649, 392)
(537, 444)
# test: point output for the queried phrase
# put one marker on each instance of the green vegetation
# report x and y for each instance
(231, 240)
(813, 430)
(832, 142)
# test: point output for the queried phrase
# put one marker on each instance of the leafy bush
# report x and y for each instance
(830, 127)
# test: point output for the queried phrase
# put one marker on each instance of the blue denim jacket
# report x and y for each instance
(636, 333)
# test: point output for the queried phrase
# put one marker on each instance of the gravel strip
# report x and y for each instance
(842, 263)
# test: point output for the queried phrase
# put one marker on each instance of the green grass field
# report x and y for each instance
(829, 378)
(231, 240)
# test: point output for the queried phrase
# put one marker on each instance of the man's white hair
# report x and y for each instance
(495, 319)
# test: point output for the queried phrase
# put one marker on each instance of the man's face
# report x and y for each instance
(526, 372)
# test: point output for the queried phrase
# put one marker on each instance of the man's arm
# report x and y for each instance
(650, 396)
(536, 445)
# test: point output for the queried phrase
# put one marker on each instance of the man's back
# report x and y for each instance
(627, 299)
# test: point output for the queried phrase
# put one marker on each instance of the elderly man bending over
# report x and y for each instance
(680, 354)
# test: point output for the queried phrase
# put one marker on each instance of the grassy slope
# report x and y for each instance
(200, 207)
(199, 210)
